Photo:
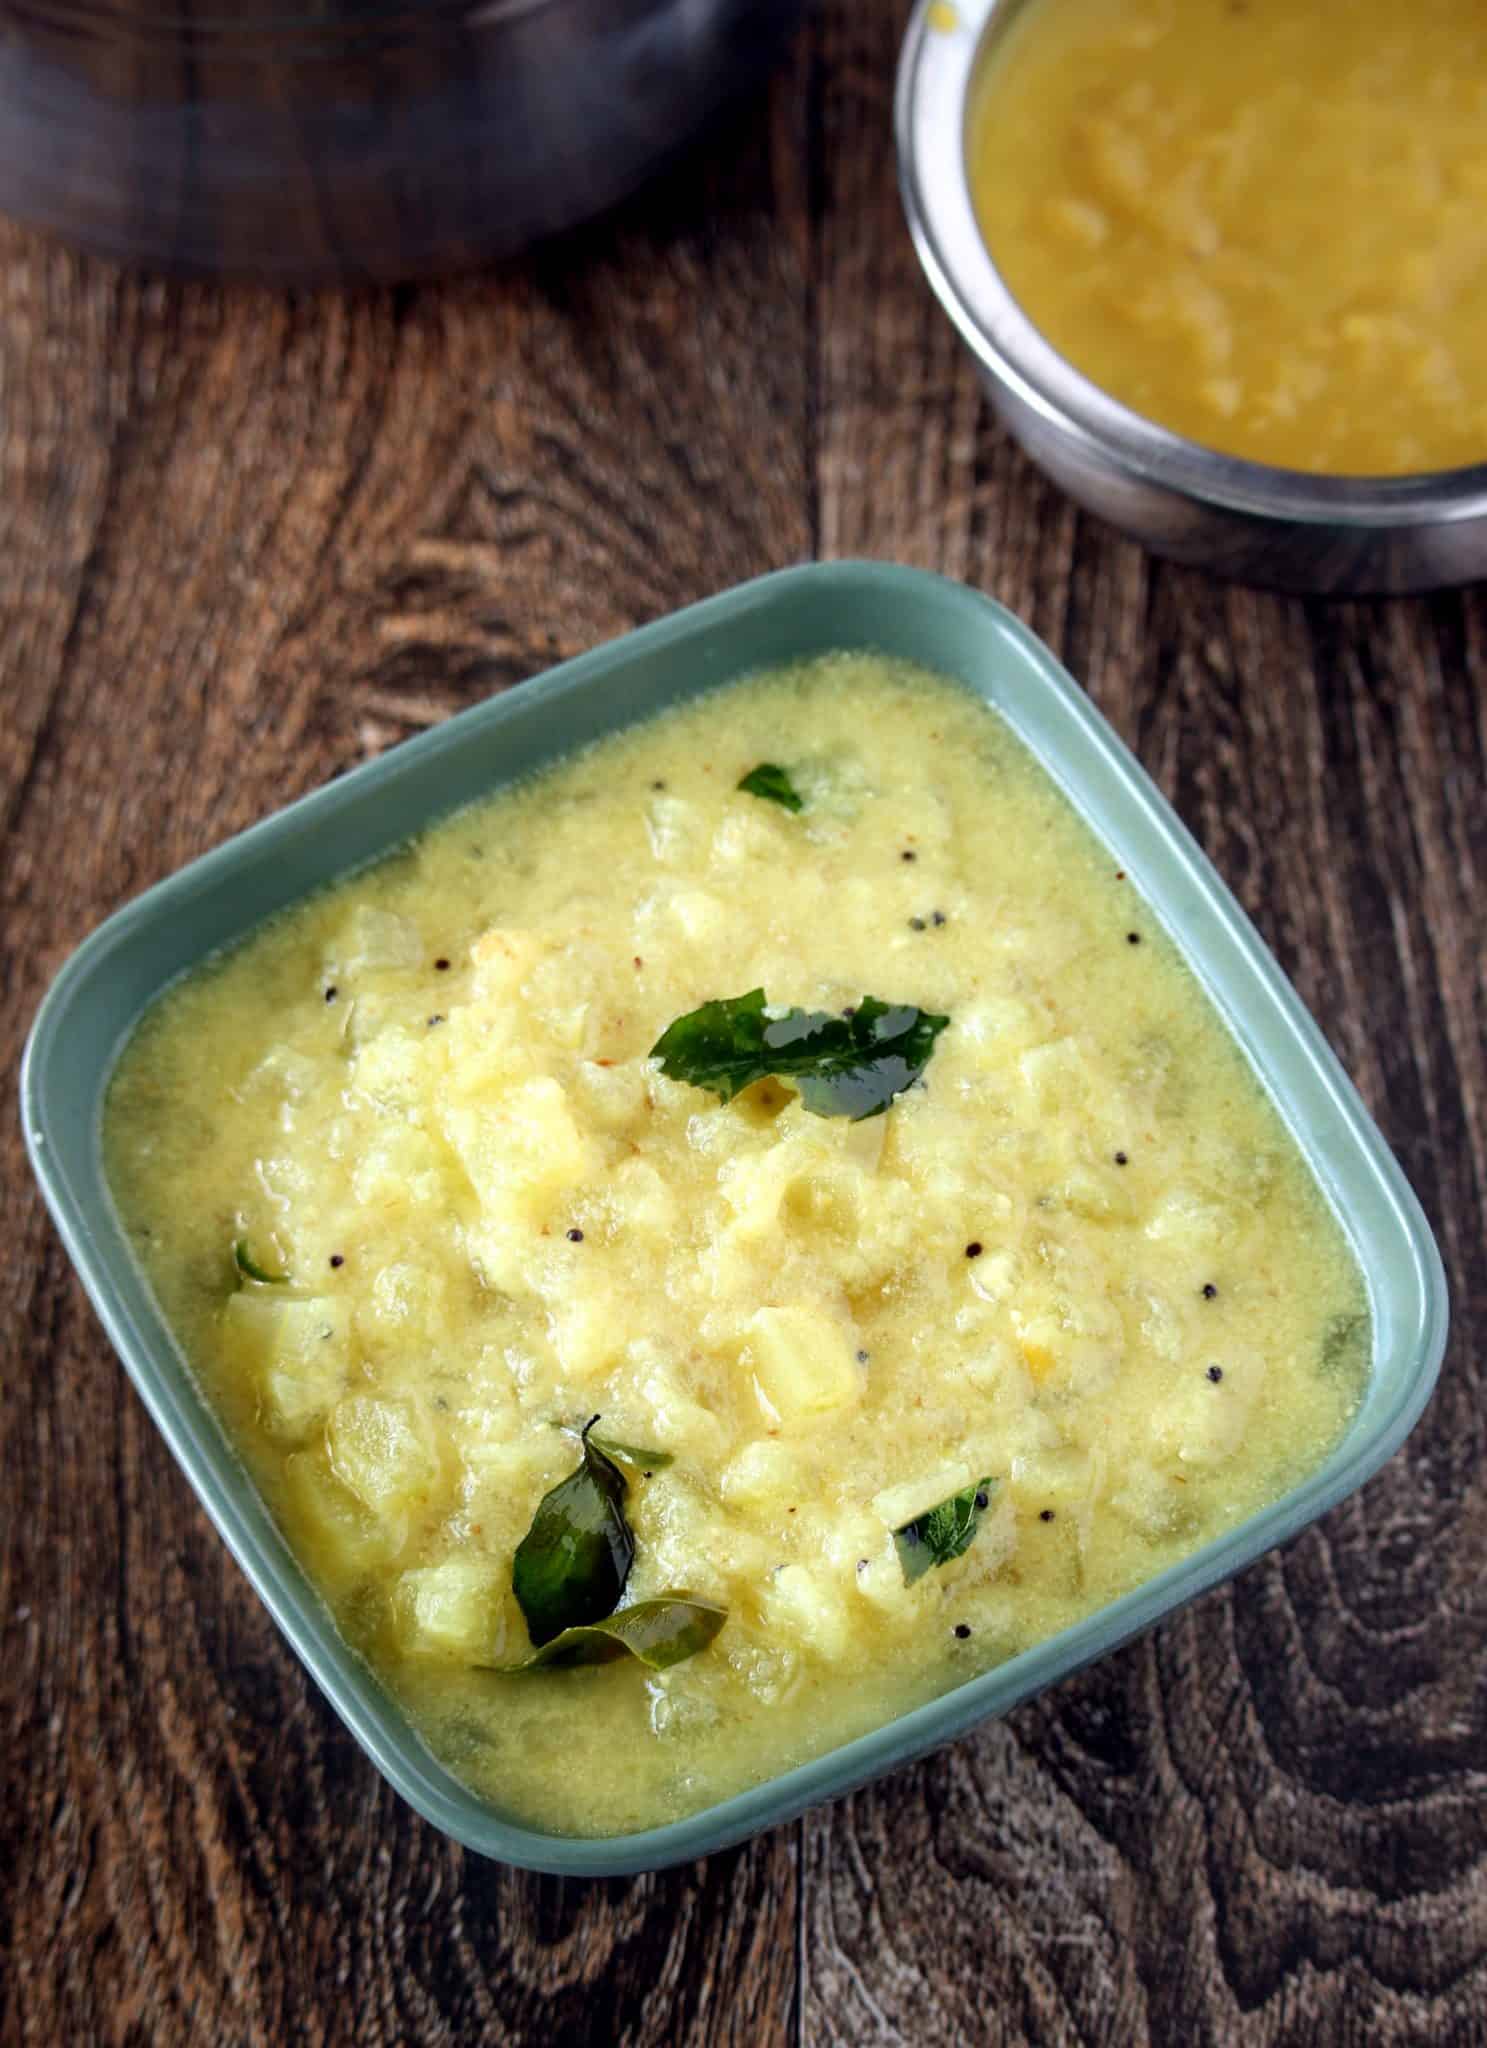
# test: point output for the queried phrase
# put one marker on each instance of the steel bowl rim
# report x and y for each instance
(935, 72)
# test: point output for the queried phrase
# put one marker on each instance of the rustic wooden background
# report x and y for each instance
(247, 539)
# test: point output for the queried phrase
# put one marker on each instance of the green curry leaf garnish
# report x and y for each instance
(851, 1065)
(571, 1566)
(659, 1633)
(249, 1268)
(944, 1532)
(773, 783)
(641, 1457)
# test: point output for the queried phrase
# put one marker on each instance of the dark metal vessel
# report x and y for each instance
(316, 139)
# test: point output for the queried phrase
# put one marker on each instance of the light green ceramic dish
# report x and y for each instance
(116, 973)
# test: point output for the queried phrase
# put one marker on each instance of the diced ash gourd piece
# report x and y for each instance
(502, 959)
(380, 938)
(367, 1015)
(753, 1190)
(453, 1610)
(992, 1027)
(1056, 1076)
(672, 826)
(397, 1171)
(391, 1068)
(250, 1328)
(1097, 1199)
(680, 916)
(676, 1418)
(405, 1296)
(521, 1149)
(327, 1520)
(614, 1096)
(1055, 1478)
(298, 1353)
(804, 1362)
(1147, 1500)
(641, 1196)
(585, 1335)
(750, 836)
(802, 1606)
(1203, 1422)
(759, 1475)
(379, 1450)
(1185, 1222)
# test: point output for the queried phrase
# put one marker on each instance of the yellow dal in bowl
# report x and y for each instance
(1260, 223)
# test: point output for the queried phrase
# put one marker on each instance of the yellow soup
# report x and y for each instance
(1074, 1280)
(1262, 223)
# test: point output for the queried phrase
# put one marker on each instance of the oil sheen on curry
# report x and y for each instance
(1257, 222)
(729, 1239)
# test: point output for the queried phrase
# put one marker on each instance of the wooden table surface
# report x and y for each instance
(248, 539)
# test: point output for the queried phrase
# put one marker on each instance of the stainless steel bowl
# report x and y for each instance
(315, 139)
(1340, 535)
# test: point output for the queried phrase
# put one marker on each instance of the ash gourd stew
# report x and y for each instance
(730, 1238)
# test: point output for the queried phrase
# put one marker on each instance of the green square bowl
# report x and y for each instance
(99, 995)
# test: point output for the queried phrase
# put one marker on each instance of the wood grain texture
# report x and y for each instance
(247, 539)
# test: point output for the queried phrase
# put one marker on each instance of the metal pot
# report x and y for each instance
(352, 138)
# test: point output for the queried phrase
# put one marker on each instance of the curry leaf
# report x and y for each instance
(943, 1532)
(659, 1633)
(250, 1269)
(640, 1456)
(773, 783)
(852, 1065)
(571, 1566)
